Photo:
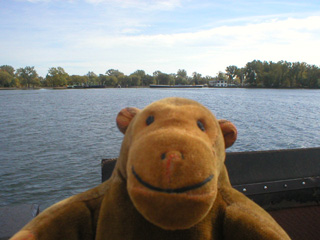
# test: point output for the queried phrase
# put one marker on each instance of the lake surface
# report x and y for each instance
(52, 141)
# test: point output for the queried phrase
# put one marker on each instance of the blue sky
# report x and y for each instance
(166, 35)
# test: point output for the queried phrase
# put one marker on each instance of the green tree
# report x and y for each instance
(140, 73)
(77, 80)
(124, 81)
(8, 69)
(302, 76)
(16, 82)
(182, 73)
(111, 81)
(312, 76)
(114, 72)
(28, 77)
(232, 71)
(181, 77)
(5, 79)
(253, 73)
(102, 79)
(222, 76)
(285, 69)
(42, 81)
(240, 73)
(92, 78)
(163, 78)
(135, 80)
(172, 79)
(281, 74)
(298, 74)
(196, 78)
(147, 80)
(56, 77)
(156, 73)
(136, 77)
(271, 74)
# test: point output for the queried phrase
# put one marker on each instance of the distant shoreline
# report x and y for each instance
(66, 88)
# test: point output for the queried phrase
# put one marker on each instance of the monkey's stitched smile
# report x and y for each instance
(171, 190)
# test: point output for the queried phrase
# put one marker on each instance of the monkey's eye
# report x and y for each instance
(201, 126)
(150, 120)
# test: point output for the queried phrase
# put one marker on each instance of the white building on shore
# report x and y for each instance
(218, 83)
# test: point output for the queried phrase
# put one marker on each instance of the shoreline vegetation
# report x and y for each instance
(68, 88)
(255, 74)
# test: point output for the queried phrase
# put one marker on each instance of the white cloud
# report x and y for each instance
(212, 50)
(141, 4)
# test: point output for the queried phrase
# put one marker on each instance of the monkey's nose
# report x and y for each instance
(172, 155)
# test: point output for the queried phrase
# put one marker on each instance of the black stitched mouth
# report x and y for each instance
(171, 190)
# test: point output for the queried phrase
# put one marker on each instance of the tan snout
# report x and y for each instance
(176, 157)
(166, 178)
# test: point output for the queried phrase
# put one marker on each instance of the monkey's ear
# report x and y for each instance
(229, 132)
(124, 118)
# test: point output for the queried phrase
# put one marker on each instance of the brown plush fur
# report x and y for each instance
(170, 182)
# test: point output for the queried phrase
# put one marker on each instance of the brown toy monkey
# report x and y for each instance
(170, 182)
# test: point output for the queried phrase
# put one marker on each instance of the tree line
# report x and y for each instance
(282, 74)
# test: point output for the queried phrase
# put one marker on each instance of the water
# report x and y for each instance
(52, 141)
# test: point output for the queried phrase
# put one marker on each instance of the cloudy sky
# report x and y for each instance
(203, 36)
